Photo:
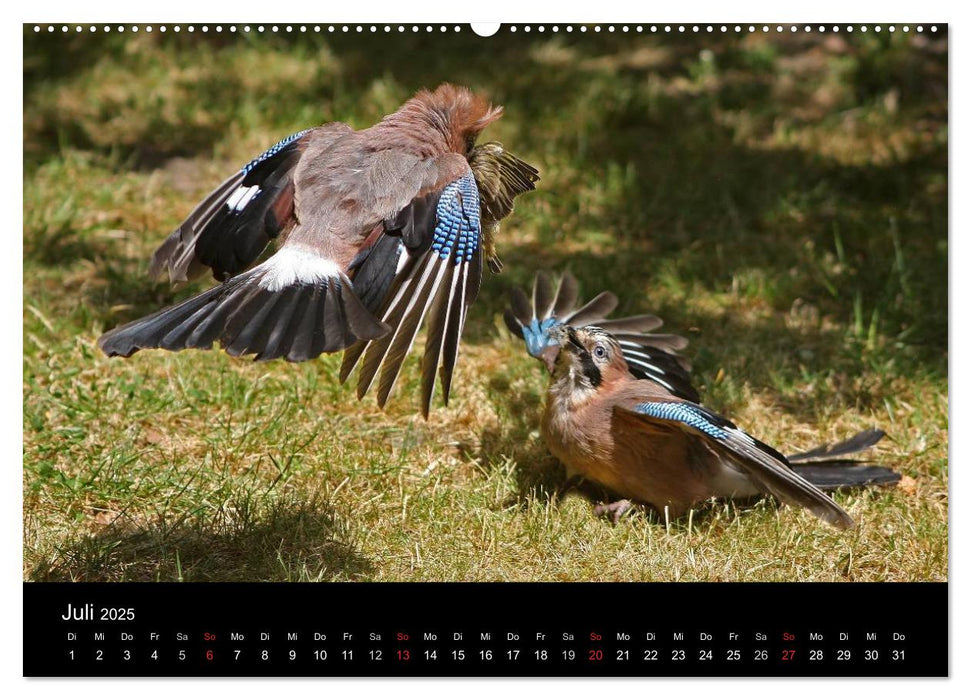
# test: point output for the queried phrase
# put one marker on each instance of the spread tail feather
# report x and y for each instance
(846, 474)
(255, 314)
(859, 442)
(828, 468)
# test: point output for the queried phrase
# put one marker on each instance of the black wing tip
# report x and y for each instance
(869, 437)
(840, 519)
(828, 510)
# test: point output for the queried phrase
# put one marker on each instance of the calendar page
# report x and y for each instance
(485, 350)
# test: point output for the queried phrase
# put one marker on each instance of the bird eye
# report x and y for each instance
(600, 352)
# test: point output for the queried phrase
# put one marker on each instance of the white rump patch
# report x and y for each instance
(293, 265)
(241, 197)
(729, 481)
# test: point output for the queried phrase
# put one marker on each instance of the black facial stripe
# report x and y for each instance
(588, 367)
(590, 370)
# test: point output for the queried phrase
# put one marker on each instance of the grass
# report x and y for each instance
(781, 200)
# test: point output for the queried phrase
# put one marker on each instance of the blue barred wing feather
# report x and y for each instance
(437, 277)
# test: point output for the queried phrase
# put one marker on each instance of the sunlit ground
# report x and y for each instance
(782, 201)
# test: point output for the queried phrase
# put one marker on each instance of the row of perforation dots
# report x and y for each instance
(345, 28)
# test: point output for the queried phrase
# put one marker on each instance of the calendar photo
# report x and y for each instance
(527, 305)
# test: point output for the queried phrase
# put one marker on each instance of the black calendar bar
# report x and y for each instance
(501, 629)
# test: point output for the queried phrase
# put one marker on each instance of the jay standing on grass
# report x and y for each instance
(633, 433)
(377, 230)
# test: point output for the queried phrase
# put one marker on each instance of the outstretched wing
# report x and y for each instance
(649, 355)
(296, 305)
(761, 463)
(433, 248)
(229, 230)
(654, 356)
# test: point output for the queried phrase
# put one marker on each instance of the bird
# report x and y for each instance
(649, 355)
(827, 466)
(647, 445)
(376, 231)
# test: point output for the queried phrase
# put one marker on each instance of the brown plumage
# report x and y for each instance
(377, 230)
(654, 357)
(642, 443)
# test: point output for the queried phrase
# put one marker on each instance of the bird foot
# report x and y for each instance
(562, 489)
(615, 510)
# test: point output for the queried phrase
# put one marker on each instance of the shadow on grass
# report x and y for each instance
(292, 541)
(514, 438)
(712, 515)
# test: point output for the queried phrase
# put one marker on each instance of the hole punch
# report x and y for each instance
(485, 29)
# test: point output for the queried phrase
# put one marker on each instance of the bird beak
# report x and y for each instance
(549, 355)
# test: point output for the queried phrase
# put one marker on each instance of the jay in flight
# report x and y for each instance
(636, 429)
(376, 231)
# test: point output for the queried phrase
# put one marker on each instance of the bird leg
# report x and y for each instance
(616, 509)
(571, 482)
